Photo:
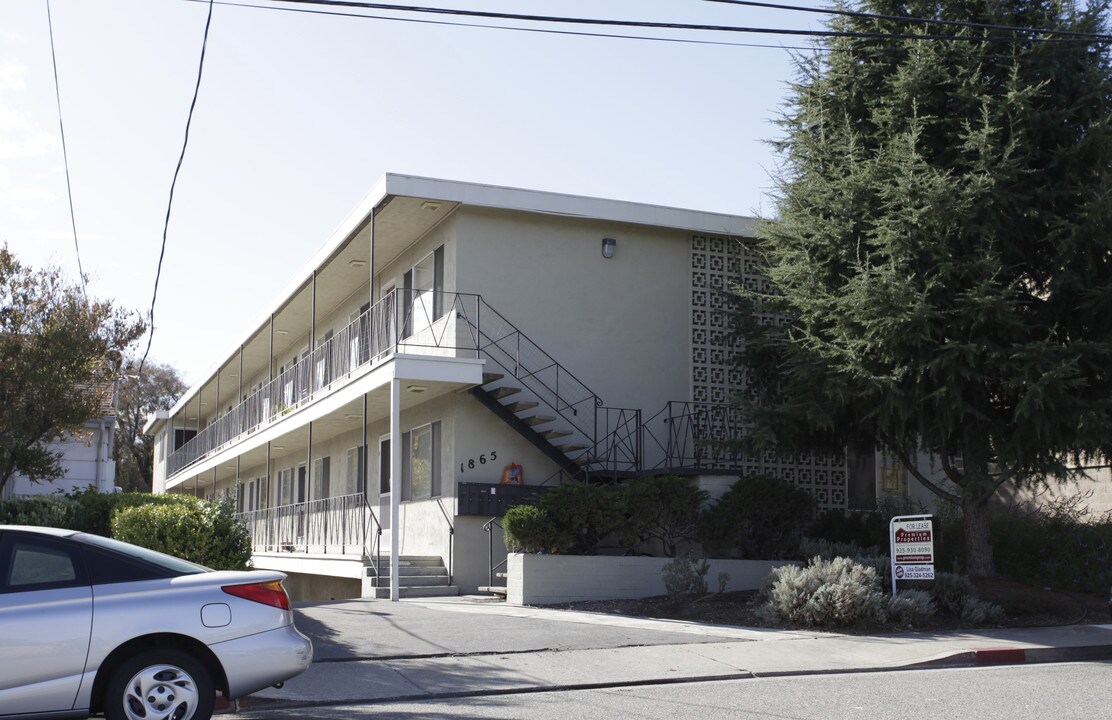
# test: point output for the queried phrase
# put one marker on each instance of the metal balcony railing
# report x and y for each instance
(434, 323)
(344, 525)
(696, 435)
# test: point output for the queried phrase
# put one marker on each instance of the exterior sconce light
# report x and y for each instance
(608, 247)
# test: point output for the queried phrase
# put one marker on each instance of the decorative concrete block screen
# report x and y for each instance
(550, 579)
(718, 264)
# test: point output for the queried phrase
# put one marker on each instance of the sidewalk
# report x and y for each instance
(375, 651)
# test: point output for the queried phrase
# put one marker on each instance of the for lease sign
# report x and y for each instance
(912, 542)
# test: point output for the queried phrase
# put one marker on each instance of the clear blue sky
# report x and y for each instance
(300, 114)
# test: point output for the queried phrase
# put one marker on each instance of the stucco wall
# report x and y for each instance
(620, 325)
(548, 579)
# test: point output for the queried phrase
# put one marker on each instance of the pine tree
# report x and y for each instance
(943, 250)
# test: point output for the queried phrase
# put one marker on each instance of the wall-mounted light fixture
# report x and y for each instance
(608, 247)
(416, 388)
(357, 263)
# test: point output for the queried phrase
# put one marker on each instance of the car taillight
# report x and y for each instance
(267, 593)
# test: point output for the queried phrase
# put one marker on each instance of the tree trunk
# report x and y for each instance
(978, 538)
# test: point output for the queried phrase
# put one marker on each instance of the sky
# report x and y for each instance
(299, 115)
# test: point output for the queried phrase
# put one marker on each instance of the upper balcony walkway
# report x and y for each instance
(435, 325)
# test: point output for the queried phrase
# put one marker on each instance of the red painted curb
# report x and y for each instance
(999, 656)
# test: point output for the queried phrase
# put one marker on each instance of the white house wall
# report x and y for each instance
(620, 325)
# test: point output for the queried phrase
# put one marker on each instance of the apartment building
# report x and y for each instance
(450, 341)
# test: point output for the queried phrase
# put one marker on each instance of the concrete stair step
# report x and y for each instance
(494, 590)
(383, 593)
(505, 391)
(553, 434)
(489, 377)
(411, 581)
(516, 407)
(571, 447)
(534, 420)
(384, 571)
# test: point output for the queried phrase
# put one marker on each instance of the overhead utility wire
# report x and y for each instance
(173, 184)
(912, 19)
(679, 26)
(65, 155)
(486, 26)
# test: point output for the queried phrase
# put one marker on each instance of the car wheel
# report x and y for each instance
(160, 685)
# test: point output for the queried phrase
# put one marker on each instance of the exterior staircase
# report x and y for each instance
(557, 438)
(418, 576)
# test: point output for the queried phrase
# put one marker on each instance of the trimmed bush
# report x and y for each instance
(684, 577)
(201, 532)
(38, 510)
(581, 515)
(828, 550)
(981, 612)
(664, 508)
(825, 593)
(528, 527)
(758, 518)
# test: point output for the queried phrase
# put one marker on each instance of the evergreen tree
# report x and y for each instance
(943, 250)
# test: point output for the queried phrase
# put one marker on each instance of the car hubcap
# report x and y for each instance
(161, 692)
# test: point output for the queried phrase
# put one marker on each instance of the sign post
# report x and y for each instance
(911, 539)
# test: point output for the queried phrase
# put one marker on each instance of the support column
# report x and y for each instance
(395, 481)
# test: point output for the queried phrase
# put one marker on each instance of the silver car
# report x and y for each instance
(89, 625)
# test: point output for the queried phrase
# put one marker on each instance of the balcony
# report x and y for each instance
(404, 321)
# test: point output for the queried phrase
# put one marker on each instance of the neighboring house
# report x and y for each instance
(86, 457)
(447, 330)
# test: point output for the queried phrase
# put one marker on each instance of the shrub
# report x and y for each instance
(37, 510)
(825, 593)
(911, 607)
(93, 511)
(980, 611)
(665, 508)
(828, 549)
(581, 516)
(528, 527)
(759, 517)
(202, 532)
(861, 528)
(685, 577)
(1061, 544)
(952, 592)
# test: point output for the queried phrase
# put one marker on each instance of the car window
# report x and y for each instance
(30, 563)
(171, 565)
(106, 568)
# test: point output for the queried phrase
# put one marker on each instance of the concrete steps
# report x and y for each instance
(418, 576)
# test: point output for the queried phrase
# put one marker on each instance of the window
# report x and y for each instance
(30, 563)
(182, 436)
(421, 462)
(322, 469)
(423, 299)
(384, 466)
(353, 471)
(285, 486)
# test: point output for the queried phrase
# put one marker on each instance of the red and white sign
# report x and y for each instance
(912, 542)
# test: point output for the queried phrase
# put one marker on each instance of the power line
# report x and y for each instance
(684, 26)
(174, 182)
(485, 26)
(65, 154)
(914, 20)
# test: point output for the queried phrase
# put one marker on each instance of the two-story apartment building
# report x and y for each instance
(446, 332)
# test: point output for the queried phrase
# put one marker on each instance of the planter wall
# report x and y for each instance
(549, 579)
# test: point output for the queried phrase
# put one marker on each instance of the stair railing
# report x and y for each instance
(488, 527)
(451, 534)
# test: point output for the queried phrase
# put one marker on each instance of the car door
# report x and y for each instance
(45, 621)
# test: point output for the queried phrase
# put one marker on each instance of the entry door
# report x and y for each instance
(384, 481)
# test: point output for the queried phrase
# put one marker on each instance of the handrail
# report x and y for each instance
(377, 562)
(451, 535)
(488, 528)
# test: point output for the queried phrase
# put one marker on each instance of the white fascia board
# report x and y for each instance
(489, 196)
(154, 420)
(507, 198)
